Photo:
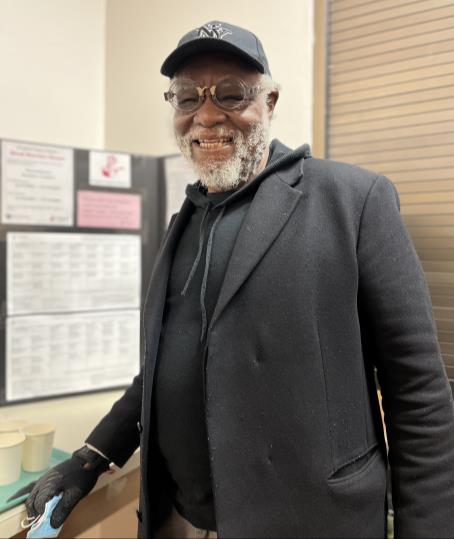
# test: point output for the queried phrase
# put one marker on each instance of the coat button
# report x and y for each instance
(139, 427)
(139, 515)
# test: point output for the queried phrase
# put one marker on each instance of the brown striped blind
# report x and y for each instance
(390, 108)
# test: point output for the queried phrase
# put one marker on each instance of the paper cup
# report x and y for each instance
(13, 425)
(37, 447)
(10, 456)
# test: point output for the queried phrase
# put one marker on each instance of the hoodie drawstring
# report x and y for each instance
(205, 273)
(199, 252)
(207, 263)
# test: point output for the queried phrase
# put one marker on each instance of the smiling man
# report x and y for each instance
(282, 285)
(225, 140)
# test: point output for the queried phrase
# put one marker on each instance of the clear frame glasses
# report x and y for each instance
(229, 94)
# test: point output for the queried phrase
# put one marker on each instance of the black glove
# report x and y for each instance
(74, 478)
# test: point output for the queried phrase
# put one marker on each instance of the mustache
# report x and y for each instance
(213, 132)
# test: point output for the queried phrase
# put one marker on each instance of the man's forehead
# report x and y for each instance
(216, 64)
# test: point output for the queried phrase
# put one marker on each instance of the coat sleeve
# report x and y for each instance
(417, 399)
(117, 434)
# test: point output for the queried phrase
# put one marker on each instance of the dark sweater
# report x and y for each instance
(197, 273)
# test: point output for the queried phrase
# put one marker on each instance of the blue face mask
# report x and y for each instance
(40, 526)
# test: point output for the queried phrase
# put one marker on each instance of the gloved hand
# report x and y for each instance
(74, 478)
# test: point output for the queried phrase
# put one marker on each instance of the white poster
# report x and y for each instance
(36, 184)
(178, 174)
(64, 272)
(110, 169)
(54, 355)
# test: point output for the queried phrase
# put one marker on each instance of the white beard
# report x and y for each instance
(228, 174)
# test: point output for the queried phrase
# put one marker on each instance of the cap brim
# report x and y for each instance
(206, 44)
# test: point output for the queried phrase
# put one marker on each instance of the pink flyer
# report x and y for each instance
(108, 210)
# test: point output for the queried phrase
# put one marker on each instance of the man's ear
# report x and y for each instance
(271, 100)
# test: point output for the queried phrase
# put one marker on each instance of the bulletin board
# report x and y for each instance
(79, 233)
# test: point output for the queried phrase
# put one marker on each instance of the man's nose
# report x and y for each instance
(209, 114)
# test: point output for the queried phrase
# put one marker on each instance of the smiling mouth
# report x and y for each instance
(213, 144)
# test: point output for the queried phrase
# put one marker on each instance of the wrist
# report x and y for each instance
(96, 450)
(92, 460)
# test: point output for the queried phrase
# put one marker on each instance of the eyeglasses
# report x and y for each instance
(230, 93)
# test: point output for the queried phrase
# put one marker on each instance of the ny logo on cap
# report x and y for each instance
(215, 30)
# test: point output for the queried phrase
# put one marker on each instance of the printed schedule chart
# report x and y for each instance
(79, 232)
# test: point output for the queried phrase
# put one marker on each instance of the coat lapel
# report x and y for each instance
(270, 210)
(156, 295)
(152, 321)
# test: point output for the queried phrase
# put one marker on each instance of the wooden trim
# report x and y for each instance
(423, 175)
(420, 119)
(382, 21)
(432, 231)
(397, 132)
(340, 75)
(320, 79)
(393, 101)
(435, 197)
(392, 45)
(411, 76)
(395, 34)
(432, 220)
(444, 301)
(431, 83)
(429, 209)
(444, 323)
(401, 111)
(374, 157)
(342, 9)
(425, 142)
(389, 58)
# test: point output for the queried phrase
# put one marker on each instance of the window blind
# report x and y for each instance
(390, 108)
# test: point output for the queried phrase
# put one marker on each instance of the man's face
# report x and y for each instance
(226, 148)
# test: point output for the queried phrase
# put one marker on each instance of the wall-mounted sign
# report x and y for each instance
(110, 169)
(37, 184)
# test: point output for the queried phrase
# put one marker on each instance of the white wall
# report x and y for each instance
(52, 71)
(86, 72)
(141, 33)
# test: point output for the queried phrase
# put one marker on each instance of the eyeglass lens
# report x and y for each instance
(229, 94)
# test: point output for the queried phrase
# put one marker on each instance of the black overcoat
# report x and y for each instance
(323, 285)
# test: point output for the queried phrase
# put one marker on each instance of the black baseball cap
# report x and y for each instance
(217, 36)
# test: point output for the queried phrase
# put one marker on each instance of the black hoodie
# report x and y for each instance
(196, 276)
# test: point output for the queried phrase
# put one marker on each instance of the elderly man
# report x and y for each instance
(282, 284)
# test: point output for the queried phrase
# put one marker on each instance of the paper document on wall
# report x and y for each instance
(178, 174)
(109, 169)
(58, 354)
(108, 210)
(64, 272)
(37, 184)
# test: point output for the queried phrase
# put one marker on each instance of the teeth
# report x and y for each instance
(210, 145)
